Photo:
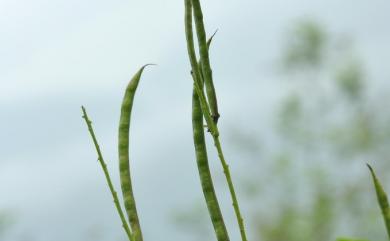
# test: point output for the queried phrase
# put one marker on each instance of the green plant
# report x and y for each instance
(202, 160)
(212, 116)
(204, 106)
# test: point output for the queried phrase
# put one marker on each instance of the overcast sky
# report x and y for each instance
(57, 55)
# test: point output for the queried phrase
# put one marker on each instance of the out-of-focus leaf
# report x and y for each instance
(350, 80)
(305, 45)
(290, 113)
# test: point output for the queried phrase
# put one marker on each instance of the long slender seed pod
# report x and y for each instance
(204, 171)
(195, 68)
(207, 115)
(204, 56)
(202, 160)
(107, 175)
(209, 41)
(382, 200)
(123, 151)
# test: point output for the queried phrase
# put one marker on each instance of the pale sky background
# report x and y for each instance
(58, 55)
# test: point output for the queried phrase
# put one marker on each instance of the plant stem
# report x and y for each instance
(107, 175)
(206, 112)
(382, 200)
(226, 171)
(123, 152)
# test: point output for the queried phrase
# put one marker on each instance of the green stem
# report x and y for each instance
(382, 200)
(205, 60)
(123, 151)
(226, 171)
(107, 175)
(207, 115)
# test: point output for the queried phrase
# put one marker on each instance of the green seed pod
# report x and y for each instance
(211, 124)
(198, 134)
(208, 47)
(205, 60)
(204, 171)
(382, 200)
(123, 151)
(195, 72)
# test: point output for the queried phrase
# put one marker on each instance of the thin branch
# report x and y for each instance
(107, 175)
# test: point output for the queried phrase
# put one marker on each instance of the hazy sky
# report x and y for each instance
(58, 55)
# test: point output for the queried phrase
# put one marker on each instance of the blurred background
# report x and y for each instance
(303, 90)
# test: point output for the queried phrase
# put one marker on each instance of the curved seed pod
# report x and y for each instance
(204, 171)
(382, 200)
(123, 151)
(204, 56)
(107, 175)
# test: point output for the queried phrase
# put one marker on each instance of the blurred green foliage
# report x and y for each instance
(6, 221)
(350, 80)
(305, 46)
(326, 126)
